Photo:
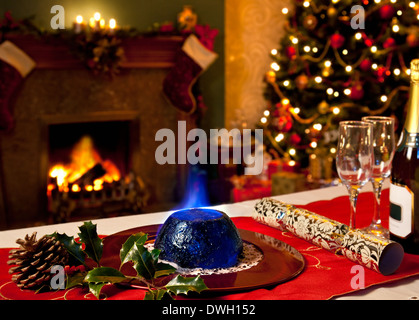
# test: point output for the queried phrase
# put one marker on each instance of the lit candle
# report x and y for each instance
(78, 25)
(112, 26)
(95, 21)
(92, 22)
(112, 23)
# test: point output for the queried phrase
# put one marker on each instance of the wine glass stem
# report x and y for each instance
(377, 184)
(353, 197)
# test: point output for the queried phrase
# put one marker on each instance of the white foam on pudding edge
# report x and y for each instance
(250, 257)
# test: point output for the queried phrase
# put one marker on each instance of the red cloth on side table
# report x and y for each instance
(325, 275)
(244, 194)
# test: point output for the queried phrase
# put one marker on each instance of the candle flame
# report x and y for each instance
(112, 23)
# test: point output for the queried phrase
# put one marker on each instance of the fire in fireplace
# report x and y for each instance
(86, 170)
(90, 171)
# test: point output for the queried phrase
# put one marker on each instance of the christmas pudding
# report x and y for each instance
(199, 238)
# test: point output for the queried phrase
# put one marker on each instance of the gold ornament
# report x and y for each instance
(301, 81)
(323, 107)
(332, 12)
(310, 22)
(270, 76)
(327, 71)
(412, 40)
(187, 19)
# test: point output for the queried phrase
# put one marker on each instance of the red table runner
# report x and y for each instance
(325, 275)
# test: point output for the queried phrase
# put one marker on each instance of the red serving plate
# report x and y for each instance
(280, 262)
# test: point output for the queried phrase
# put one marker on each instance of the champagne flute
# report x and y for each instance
(384, 148)
(354, 159)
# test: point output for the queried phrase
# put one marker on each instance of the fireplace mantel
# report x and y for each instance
(61, 90)
(140, 52)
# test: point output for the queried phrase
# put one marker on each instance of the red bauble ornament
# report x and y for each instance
(285, 123)
(365, 65)
(368, 42)
(382, 73)
(387, 11)
(337, 40)
(275, 112)
(357, 92)
(295, 139)
(389, 43)
(291, 52)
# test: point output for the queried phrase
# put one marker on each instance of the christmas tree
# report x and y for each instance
(338, 60)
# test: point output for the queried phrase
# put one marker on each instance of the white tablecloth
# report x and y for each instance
(402, 289)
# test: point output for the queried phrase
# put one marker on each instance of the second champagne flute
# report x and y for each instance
(354, 159)
(384, 148)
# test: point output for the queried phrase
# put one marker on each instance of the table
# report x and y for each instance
(401, 289)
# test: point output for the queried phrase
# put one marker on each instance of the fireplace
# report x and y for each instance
(89, 166)
(60, 102)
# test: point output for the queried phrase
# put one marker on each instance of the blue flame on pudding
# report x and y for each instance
(196, 193)
(196, 214)
(199, 238)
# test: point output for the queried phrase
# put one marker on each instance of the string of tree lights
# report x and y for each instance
(326, 71)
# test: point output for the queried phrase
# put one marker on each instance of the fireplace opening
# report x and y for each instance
(83, 143)
(90, 171)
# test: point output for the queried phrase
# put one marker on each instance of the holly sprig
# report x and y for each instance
(145, 262)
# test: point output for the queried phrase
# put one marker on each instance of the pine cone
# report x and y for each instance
(34, 260)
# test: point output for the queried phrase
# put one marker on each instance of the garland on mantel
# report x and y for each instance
(101, 49)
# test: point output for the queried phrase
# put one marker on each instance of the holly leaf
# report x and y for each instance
(163, 269)
(155, 253)
(159, 294)
(126, 251)
(150, 295)
(143, 262)
(93, 244)
(182, 285)
(95, 288)
(98, 277)
(76, 279)
(77, 256)
(105, 274)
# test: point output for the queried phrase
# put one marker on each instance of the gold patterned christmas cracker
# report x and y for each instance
(376, 253)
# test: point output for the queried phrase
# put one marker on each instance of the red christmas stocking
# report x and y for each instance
(14, 66)
(191, 62)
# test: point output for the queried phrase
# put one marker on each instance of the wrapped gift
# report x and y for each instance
(378, 254)
(274, 166)
(320, 166)
(250, 188)
(287, 182)
(250, 193)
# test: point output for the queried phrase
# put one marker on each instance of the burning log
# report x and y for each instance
(128, 194)
(77, 187)
(96, 172)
